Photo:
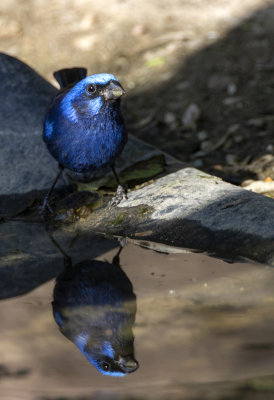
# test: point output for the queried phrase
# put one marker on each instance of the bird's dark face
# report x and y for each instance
(90, 95)
(110, 91)
(103, 356)
(116, 367)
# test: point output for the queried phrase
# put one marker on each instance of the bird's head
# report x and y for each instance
(89, 95)
(104, 357)
(117, 368)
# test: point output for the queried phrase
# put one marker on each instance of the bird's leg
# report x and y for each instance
(46, 206)
(116, 258)
(121, 191)
(67, 259)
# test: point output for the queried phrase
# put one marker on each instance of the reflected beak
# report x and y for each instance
(128, 364)
(113, 91)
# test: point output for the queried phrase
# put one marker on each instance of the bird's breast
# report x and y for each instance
(88, 144)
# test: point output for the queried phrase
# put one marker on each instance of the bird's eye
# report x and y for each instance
(91, 89)
(105, 366)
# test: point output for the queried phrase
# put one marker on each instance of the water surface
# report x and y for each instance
(204, 328)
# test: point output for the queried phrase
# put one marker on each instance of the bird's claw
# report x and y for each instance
(45, 209)
(121, 193)
(122, 241)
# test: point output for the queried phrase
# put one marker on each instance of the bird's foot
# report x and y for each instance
(122, 241)
(45, 208)
(121, 193)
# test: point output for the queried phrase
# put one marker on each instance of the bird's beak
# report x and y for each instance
(128, 364)
(113, 91)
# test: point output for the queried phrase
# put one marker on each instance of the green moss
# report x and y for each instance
(92, 186)
(247, 26)
(143, 210)
(155, 62)
(139, 172)
(94, 205)
(120, 218)
(261, 385)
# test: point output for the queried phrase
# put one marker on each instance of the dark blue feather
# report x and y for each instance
(85, 131)
(94, 306)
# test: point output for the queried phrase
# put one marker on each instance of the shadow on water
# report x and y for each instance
(5, 372)
(27, 251)
(243, 57)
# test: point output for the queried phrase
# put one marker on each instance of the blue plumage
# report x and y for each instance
(84, 128)
(94, 307)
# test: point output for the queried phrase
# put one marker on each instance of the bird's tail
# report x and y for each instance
(69, 76)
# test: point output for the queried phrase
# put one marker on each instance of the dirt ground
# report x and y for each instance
(198, 73)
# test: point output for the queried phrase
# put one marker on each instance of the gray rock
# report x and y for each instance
(25, 163)
(191, 209)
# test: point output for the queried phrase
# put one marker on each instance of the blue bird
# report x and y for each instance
(94, 307)
(84, 128)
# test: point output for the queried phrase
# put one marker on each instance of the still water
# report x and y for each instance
(136, 325)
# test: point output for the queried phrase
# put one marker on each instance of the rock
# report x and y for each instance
(218, 82)
(206, 145)
(202, 135)
(139, 30)
(269, 148)
(191, 116)
(257, 122)
(198, 163)
(259, 186)
(231, 89)
(233, 128)
(213, 35)
(194, 210)
(25, 163)
(85, 42)
(230, 101)
(231, 159)
(169, 118)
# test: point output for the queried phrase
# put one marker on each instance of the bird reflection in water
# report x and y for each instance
(94, 307)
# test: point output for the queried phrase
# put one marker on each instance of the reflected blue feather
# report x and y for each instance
(108, 350)
(94, 306)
